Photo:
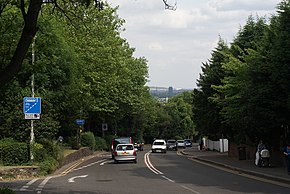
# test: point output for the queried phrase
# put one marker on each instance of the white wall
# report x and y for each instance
(222, 145)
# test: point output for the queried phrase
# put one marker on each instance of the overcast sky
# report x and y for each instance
(176, 43)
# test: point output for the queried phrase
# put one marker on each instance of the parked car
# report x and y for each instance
(180, 143)
(171, 144)
(119, 140)
(188, 143)
(159, 145)
(125, 152)
(139, 145)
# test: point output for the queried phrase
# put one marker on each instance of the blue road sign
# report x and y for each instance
(31, 105)
(80, 121)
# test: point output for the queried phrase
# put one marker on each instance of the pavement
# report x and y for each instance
(274, 173)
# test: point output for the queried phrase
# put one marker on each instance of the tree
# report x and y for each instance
(207, 111)
(180, 109)
(30, 10)
(241, 105)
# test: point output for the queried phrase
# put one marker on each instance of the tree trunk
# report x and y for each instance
(28, 33)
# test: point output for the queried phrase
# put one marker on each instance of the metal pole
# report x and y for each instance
(32, 91)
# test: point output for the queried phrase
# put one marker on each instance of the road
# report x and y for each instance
(155, 173)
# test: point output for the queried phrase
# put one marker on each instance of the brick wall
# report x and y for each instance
(276, 158)
(234, 150)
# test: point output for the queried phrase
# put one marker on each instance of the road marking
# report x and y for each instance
(103, 163)
(170, 180)
(189, 189)
(70, 168)
(42, 184)
(149, 165)
(25, 187)
(153, 169)
(91, 164)
(72, 180)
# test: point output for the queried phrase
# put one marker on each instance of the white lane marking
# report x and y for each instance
(170, 180)
(25, 187)
(103, 163)
(189, 189)
(91, 164)
(149, 165)
(41, 185)
(153, 169)
(72, 180)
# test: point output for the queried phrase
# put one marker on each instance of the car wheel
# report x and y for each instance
(135, 161)
(115, 161)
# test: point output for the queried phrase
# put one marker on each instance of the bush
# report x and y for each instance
(74, 143)
(13, 152)
(52, 148)
(48, 166)
(101, 144)
(88, 140)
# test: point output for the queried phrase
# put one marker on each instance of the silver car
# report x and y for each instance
(125, 152)
(180, 144)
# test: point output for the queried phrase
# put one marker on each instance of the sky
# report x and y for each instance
(176, 43)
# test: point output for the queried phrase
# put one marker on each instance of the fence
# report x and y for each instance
(222, 145)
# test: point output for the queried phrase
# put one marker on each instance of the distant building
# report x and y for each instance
(163, 93)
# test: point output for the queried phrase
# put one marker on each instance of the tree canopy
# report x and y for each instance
(248, 85)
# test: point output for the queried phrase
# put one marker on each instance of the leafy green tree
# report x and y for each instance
(240, 104)
(278, 39)
(207, 111)
(180, 110)
(255, 88)
(30, 11)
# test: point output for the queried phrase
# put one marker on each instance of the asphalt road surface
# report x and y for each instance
(154, 173)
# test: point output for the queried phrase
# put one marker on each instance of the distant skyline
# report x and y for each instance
(176, 43)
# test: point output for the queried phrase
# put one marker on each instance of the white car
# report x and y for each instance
(125, 152)
(159, 145)
(180, 144)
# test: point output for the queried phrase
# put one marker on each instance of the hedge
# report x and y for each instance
(13, 152)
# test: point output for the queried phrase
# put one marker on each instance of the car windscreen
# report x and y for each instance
(124, 147)
(171, 141)
(120, 141)
(158, 143)
(123, 140)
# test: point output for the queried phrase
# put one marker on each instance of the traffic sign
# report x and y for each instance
(104, 127)
(31, 105)
(32, 116)
(80, 121)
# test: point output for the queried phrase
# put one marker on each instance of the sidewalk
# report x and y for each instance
(242, 166)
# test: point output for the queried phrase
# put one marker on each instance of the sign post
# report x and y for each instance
(80, 123)
(104, 128)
